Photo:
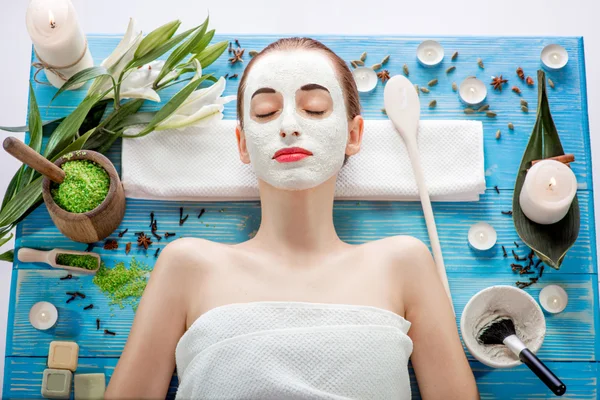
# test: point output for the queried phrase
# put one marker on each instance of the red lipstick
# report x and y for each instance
(291, 154)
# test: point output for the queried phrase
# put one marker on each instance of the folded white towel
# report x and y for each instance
(203, 164)
(291, 350)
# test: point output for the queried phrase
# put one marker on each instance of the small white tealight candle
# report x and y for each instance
(365, 78)
(553, 298)
(472, 91)
(554, 56)
(482, 236)
(59, 42)
(430, 53)
(548, 192)
(43, 315)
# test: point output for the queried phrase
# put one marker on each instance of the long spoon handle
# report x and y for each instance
(415, 159)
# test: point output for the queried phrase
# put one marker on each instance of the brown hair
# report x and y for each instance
(343, 72)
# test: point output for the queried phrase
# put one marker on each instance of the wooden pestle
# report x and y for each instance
(27, 155)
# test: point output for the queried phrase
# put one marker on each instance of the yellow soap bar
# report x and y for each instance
(63, 355)
(56, 384)
(90, 386)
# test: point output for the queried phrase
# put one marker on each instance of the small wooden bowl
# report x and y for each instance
(98, 223)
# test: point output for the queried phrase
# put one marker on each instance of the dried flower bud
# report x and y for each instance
(432, 103)
(483, 108)
(376, 66)
(550, 83)
(424, 89)
(469, 111)
(480, 63)
(524, 109)
(363, 56)
(454, 56)
(450, 69)
(253, 53)
(498, 134)
(511, 126)
(454, 86)
(405, 69)
(491, 114)
(385, 60)
(524, 103)
(432, 82)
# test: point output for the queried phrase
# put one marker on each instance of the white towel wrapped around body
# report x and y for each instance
(293, 350)
(202, 164)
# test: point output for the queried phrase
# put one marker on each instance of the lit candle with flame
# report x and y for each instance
(59, 43)
(548, 192)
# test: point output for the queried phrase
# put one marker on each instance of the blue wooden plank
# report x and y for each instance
(571, 334)
(501, 55)
(356, 222)
(579, 377)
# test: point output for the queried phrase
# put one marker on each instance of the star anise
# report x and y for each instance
(497, 82)
(237, 56)
(144, 241)
(111, 244)
(384, 75)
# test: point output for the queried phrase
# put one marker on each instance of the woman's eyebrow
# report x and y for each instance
(263, 90)
(313, 86)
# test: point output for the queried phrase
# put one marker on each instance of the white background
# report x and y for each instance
(429, 17)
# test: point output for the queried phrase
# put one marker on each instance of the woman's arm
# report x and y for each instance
(148, 360)
(438, 359)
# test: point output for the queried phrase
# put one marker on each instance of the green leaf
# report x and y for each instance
(12, 186)
(68, 128)
(159, 51)
(549, 242)
(210, 54)
(47, 127)
(7, 256)
(204, 42)
(13, 210)
(142, 118)
(82, 76)
(171, 106)
(5, 240)
(182, 51)
(35, 135)
(156, 38)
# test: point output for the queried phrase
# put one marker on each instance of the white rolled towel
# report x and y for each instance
(202, 164)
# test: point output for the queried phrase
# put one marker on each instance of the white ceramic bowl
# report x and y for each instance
(502, 300)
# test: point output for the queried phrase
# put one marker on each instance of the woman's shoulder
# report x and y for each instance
(399, 247)
(192, 252)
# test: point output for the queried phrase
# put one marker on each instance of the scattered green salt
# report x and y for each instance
(123, 286)
(84, 188)
(80, 261)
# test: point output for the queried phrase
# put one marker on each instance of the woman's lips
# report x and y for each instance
(291, 154)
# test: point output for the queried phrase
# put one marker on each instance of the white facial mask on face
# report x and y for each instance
(286, 72)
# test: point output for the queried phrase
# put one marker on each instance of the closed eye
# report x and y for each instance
(315, 112)
(265, 115)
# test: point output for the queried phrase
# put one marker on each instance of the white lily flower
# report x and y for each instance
(137, 84)
(203, 107)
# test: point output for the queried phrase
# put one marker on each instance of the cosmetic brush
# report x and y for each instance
(502, 331)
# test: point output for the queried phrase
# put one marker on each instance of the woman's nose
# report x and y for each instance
(289, 126)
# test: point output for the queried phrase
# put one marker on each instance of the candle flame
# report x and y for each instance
(51, 19)
(552, 183)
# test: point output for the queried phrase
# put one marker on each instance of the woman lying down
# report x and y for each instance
(295, 313)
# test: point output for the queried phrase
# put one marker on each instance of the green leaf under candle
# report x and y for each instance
(550, 242)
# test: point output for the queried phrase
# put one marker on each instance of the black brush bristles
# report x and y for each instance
(496, 331)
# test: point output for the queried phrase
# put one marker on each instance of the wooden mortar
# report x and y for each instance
(98, 223)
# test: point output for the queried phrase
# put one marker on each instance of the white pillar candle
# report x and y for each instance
(365, 78)
(482, 236)
(43, 315)
(472, 91)
(430, 53)
(548, 192)
(58, 40)
(553, 298)
(554, 56)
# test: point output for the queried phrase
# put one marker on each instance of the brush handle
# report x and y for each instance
(27, 155)
(413, 152)
(540, 369)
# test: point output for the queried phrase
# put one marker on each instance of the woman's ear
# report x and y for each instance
(355, 134)
(241, 141)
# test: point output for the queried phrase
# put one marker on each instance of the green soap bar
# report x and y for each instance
(56, 383)
(89, 386)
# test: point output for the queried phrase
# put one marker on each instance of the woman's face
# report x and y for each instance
(295, 119)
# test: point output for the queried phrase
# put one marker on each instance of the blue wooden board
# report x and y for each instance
(571, 346)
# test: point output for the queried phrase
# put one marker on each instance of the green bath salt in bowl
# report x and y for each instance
(85, 186)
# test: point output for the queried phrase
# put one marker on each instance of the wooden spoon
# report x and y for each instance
(403, 108)
(49, 257)
(27, 155)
